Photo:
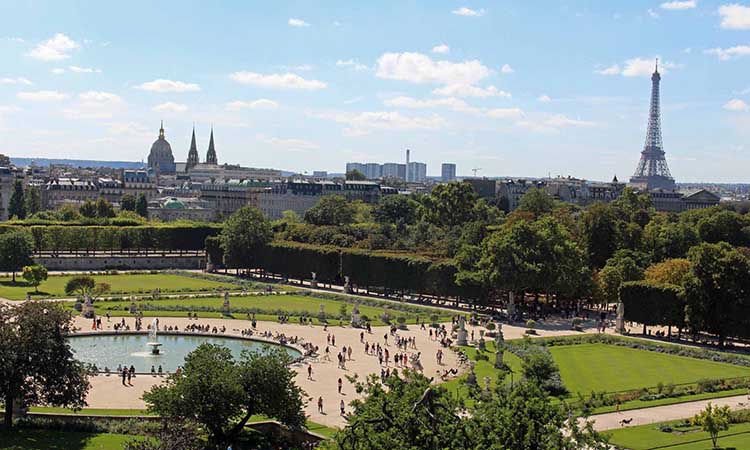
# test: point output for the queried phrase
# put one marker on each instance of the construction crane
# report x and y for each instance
(475, 170)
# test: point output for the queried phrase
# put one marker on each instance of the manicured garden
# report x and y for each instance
(269, 307)
(647, 437)
(54, 287)
(33, 439)
(609, 368)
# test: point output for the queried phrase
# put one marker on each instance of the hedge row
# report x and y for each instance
(58, 238)
(653, 304)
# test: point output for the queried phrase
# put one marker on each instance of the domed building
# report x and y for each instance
(161, 159)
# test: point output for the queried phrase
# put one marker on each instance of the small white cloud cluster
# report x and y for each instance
(57, 48)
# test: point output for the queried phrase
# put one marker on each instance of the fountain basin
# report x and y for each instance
(132, 348)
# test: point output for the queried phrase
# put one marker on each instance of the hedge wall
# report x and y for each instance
(653, 304)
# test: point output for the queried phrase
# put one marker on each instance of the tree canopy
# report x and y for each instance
(244, 234)
(331, 210)
(16, 248)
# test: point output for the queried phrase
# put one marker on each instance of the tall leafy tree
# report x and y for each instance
(331, 210)
(16, 248)
(677, 271)
(222, 394)
(600, 233)
(355, 175)
(35, 275)
(33, 200)
(536, 201)
(127, 202)
(38, 365)
(396, 209)
(450, 204)
(244, 234)
(141, 206)
(619, 269)
(88, 209)
(104, 209)
(718, 296)
(17, 205)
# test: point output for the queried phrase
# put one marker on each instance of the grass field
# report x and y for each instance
(26, 439)
(483, 369)
(54, 287)
(611, 368)
(648, 437)
(267, 305)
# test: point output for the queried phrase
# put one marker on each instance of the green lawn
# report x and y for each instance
(54, 287)
(611, 368)
(483, 369)
(28, 439)
(648, 437)
(267, 306)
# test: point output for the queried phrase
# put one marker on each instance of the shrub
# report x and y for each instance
(491, 326)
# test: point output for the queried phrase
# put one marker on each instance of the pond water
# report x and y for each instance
(133, 349)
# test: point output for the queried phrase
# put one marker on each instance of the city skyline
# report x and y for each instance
(515, 89)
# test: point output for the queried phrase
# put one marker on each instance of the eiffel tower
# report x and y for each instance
(652, 171)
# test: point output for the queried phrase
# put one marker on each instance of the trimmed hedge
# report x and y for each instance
(653, 304)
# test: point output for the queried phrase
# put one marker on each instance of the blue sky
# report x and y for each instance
(514, 87)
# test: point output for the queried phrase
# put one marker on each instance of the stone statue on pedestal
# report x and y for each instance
(511, 306)
(347, 285)
(314, 282)
(225, 308)
(356, 316)
(133, 308)
(88, 308)
(463, 335)
(471, 379)
(620, 321)
(481, 344)
(499, 347)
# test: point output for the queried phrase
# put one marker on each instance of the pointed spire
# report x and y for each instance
(161, 130)
(211, 153)
(193, 146)
(656, 69)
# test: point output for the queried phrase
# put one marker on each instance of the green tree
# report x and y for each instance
(725, 226)
(88, 209)
(664, 238)
(617, 271)
(396, 209)
(104, 209)
(537, 202)
(404, 413)
(355, 175)
(222, 394)
(85, 285)
(331, 210)
(449, 204)
(677, 271)
(33, 200)
(35, 275)
(522, 417)
(713, 420)
(717, 300)
(16, 248)
(127, 202)
(600, 233)
(245, 233)
(141, 206)
(38, 365)
(17, 205)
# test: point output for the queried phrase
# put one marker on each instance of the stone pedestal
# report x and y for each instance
(356, 316)
(462, 335)
(499, 364)
(511, 306)
(88, 308)
(133, 308)
(620, 321)
(225, 308)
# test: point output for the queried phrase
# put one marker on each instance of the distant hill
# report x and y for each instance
(21, 162)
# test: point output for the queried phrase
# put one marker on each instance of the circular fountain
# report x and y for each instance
(153, 342)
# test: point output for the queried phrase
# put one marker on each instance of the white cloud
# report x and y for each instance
(419, 68)
(9, 109)
(652, 14)
(55, 49)
(58, 70)
(735, 16)
(359, 124)
(611, 70)
(505, 113)
(289, 144)
(17, 80)
(413, 103)
(544, 98)
(77, 69)
(465, 90)
(638, 67)
(736, 105)
(262, 103)
(303, 68)
(17, 40)
(725, 54)
(170, 107)
(277, 81)
(99, 98)
(162, 85)
(351, 63)
(351, 101)
(43, 96)
(297, 23)
(679, 5)
(506, 69)
(442, 49)
(553, 124)
(468, 12)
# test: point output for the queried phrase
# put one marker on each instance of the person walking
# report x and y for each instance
(320, 405)
(309, 371)
(124, 376)
(341, 384)
(342, 406)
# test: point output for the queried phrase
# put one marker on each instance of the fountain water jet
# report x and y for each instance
(152, 339)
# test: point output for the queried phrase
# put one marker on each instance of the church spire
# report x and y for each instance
(211, 153)
(192, 159)
(161, 130)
